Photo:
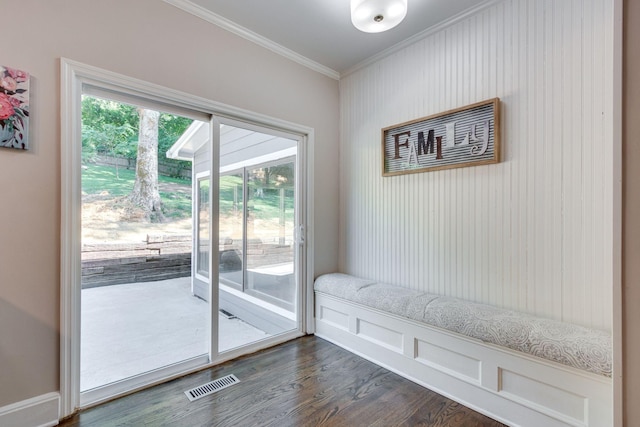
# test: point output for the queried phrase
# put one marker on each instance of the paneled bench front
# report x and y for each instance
(518, 369)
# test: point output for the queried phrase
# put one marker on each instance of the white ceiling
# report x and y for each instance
(321, 30)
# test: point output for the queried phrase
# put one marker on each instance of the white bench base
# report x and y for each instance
(511, 387)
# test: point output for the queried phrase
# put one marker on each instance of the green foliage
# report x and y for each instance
(97, 111)
(170, 129)
(110, 127)
(111, 139)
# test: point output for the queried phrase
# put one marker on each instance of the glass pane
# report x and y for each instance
(203, 227)
(270, 227)
(138, 311)
(231, 229)
(256, 285)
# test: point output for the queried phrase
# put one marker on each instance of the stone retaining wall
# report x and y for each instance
(158, 258)
(163, 257)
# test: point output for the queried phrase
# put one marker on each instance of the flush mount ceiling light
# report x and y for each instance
(374, 16)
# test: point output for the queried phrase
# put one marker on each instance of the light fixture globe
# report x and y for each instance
(375, 16)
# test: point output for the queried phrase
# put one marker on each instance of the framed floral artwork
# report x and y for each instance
(14, 108)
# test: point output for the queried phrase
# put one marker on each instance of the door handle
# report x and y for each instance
(299, 235)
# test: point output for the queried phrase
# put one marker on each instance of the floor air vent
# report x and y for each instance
(211, 387)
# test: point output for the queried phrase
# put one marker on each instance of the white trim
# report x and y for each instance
(103, 394)
(256, 38)
(175, 151)
(261, 160)
(214, 236)
(88, 74)
(73, 76)
(304, 195)
(306, 298)
(70, 265)
(616, 255)
(247, 34)
(421, 35)
(256, 346)
(39, 411)
(114, 93)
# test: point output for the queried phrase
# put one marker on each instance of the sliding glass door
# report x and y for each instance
(215, 269)
(258, 218)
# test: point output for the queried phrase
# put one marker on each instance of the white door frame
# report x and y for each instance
(76, 79)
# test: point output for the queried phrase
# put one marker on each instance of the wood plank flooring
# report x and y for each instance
(305, 382)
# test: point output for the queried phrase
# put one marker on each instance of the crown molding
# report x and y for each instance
(247, 34)
(421, 35)
(222, 22)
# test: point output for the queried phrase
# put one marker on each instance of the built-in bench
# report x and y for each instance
(516, 368)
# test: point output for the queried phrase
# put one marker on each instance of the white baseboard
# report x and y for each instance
(39, 411)
(514, 388)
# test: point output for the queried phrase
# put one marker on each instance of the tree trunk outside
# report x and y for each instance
(145, 189)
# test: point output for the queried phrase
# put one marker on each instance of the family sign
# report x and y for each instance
(467, 136)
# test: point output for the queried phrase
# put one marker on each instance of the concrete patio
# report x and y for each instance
(134, 328)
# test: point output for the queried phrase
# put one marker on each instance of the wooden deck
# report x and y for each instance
(305, 382)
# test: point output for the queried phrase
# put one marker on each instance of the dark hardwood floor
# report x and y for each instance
(305, 382)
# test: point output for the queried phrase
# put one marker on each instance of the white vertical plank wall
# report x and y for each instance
(532, 233)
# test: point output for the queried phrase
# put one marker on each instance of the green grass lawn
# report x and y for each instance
(102, 180)
(176, 205)
(98, 179)
(265, 206)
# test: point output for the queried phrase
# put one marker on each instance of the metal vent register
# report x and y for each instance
(211, 387)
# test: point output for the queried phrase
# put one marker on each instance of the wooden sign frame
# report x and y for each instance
(466, 136)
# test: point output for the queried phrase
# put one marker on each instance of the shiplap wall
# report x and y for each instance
(532, 233)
